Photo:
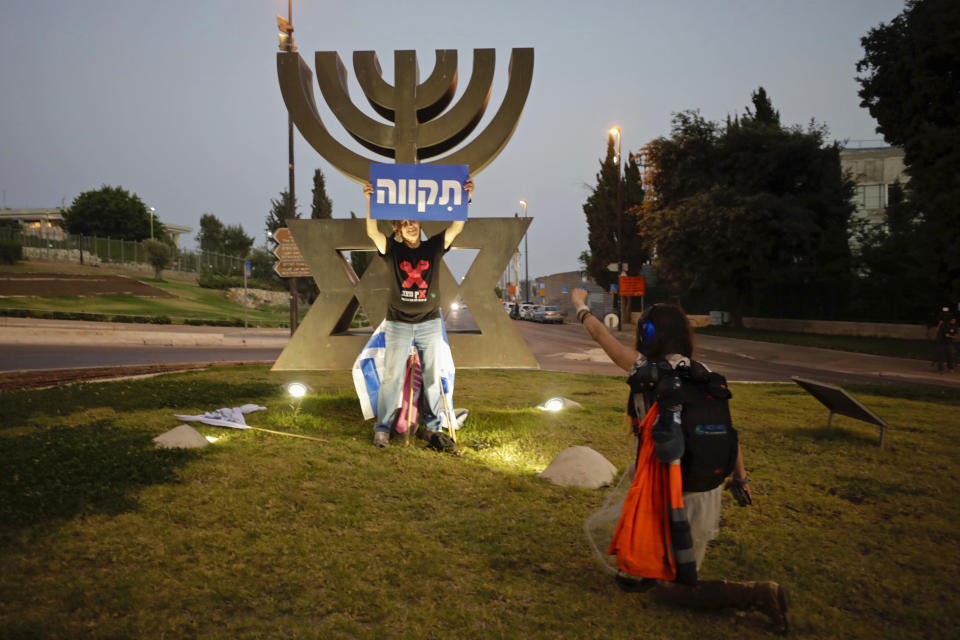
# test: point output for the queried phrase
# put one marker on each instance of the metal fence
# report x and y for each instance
(98, 250)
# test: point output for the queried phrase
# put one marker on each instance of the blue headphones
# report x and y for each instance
(648, 332)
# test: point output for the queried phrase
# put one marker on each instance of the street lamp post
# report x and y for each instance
(152, 212)
(287, 44)
(526, 259)
(616, 131)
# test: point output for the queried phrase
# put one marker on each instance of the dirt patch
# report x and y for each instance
(42, 379)
(48, 284)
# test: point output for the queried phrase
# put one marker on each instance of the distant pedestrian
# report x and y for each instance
(943, 343)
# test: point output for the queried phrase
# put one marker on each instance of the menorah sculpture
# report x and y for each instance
(423, 128)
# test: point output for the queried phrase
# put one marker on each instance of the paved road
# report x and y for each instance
(23, 357)
(38, 345)
(568, 348)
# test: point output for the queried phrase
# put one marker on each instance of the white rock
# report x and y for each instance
(580, 467)
(182, 437)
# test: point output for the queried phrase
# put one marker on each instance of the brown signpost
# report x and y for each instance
(291, 263)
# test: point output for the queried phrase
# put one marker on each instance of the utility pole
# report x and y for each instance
(287, 44)
(526, 259)
(616, 131)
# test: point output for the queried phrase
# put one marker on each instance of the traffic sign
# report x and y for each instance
(291, 263)
(633, 285)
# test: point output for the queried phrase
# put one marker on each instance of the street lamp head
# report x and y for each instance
(286, 34)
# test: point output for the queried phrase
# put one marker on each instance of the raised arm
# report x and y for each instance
(457, 225)
(373, 231)
(622, 355)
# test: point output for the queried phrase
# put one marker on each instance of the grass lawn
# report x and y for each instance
(189, 301)
(915, 349)
(263, 536)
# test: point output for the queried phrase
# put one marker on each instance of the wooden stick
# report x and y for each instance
(292, 435)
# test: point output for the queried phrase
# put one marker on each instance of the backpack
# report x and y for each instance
(710, 441)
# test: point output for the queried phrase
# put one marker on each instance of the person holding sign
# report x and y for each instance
(413, 318)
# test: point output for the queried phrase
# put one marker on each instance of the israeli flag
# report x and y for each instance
(368, 371)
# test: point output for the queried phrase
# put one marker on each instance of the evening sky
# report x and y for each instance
(179, 102)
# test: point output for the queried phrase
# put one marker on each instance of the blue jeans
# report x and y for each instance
(427, 336)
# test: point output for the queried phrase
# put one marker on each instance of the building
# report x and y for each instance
(555, 290)
(873, 169)
(48, 224)
(41, 223)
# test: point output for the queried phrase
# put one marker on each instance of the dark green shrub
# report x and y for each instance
(11, 252)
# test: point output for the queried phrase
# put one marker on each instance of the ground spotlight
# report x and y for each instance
(296, 390)
(557, 403)
(553, 404)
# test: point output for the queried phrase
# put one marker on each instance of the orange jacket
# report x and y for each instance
(652, 539)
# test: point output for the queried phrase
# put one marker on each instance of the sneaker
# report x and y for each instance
(381, 439)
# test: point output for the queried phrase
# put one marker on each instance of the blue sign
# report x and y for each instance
(418, 191)
(614, 288)
(246, 268)
(564, 289)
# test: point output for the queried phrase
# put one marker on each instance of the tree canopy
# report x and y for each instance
(752, 207)
(603, 220)
(894, 283)
(277, 216)
(322, 208)
(230, 240)
(910, 84)
(159, 254)
(210, 236)
(111, 212)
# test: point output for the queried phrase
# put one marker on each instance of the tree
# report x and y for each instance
(111, 212)
(322, 205)
(604, 218)
(910, 85)
(262, 261)
(893, 266)
(210, 237)
(159, 254)
(277, 216)
(754, 208)
(235, 242)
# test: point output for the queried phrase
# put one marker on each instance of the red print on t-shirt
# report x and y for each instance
(414, 279)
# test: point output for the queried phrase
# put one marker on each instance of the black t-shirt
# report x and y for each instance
(416, 295)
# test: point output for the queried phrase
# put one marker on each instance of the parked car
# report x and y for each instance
(547, 313)
(526, 310)
(533, 311)
(510, 308)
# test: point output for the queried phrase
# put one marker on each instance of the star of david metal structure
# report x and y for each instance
(425, 126)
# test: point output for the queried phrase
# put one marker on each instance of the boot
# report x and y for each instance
(769, 598)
